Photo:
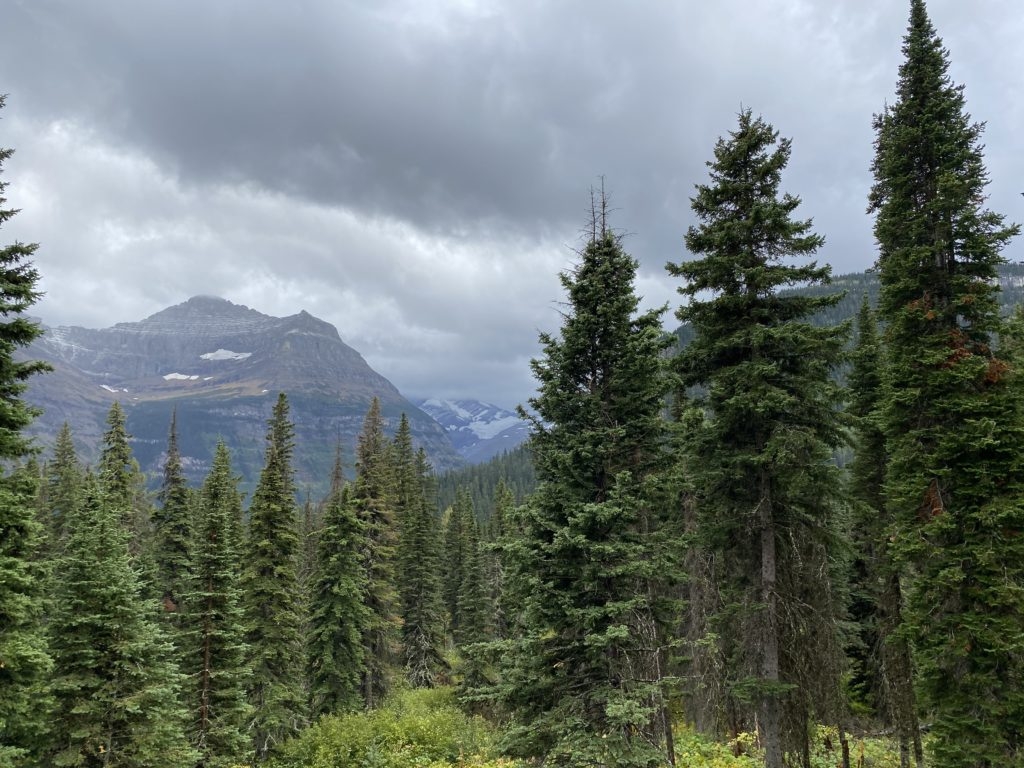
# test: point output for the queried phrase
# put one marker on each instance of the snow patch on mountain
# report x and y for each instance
(179, 377)
(225, 354)
(478, 430)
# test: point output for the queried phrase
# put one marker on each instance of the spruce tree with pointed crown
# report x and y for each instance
(419, 563)
(214, 651)
(373, 496)
(24, 662)
(271, 594)
(760, 452)
(582, 681)
(338, 616)
(952, 411)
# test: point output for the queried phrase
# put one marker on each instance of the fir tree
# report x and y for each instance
(24, 661)
(116, 686)
(455, 554)
(373, 498)
(63, 484)
(583, 682)
(172, 539)
(271, 590)
(952, 416)
(761, 458)
(124, 489)
(338, 616)
(419, 562)
(214, 653)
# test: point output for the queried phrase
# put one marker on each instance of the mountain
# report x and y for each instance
(479, 431)
(220, 366)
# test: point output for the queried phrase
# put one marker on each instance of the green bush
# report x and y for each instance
(416, 728)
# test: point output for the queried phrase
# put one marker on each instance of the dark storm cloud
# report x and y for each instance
(417, 172)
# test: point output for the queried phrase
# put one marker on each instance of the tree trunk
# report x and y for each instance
(771, 730)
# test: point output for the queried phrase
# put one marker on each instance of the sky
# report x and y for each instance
(418, 172)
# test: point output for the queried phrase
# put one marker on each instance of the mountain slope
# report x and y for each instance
(220, 365)
(479, 431)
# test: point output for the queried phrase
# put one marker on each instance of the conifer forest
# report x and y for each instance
(776, 542)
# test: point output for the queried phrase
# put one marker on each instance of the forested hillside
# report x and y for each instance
(674, 572)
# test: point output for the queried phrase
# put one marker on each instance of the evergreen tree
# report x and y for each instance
(63, 484)
(338, 616)
(455, 554)
(24, 661)
(419, 562)
(584, 681)
(116, 686)
(952, 417)
(761, 459)
(882, 663)
(124, 489)
(373, 497)
(214, 652)
(495, 565)
(271, 594)
(172, 540)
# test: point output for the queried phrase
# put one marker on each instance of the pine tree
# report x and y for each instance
(214, 652)
(373, 498)
(419, 562)
(495, 565)
(761, 459)
(24, 661)
(951, 413)
(338, 616)
(271, 594)
(116, 686)
(583, 683)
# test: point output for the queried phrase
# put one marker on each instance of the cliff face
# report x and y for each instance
(221, 366)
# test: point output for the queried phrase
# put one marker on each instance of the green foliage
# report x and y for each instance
(583, 682)
(24, 661)
(761, 433)
(338, 616)
(419, 563)
(172, 527)
(514, 468)
(116, 686)
(213, 648)
(271, 594)
(952, 411)
(373, 497)
(415, 728)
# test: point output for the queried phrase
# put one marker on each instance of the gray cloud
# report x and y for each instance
(417, 172)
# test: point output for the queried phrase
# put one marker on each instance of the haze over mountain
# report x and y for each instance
(220, 366)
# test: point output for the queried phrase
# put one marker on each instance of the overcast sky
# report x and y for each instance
(417, 172)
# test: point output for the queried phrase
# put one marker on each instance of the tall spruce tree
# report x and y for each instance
(455, 553)
(214, 651)
(116, 684)
(338, 616)
(583, 682)
(373, 497)
(172, 526)
(952, 416)
(271, 594)
(419, 562)
(24, 661)
(761, 458)
(64, 479)
(124, 488)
